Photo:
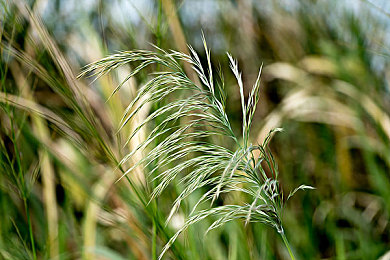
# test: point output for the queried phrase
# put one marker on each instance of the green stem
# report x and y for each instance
(153, 214)
(154, 241)
(287, 245)
(30, 228)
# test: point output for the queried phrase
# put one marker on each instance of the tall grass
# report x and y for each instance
(324, 80)
(185, 127)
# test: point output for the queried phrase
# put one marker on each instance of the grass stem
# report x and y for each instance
(30, 228)
(154, 216)
(154, 241)
(287, 244)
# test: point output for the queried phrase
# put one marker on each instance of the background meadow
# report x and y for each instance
(325, 81)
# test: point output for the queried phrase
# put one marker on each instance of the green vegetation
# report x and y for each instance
(153, 153)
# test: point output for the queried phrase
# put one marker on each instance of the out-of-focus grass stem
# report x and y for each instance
(152, 214)
(30, 229)
(19, 177)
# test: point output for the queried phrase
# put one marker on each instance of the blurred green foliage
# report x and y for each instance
(325, 81)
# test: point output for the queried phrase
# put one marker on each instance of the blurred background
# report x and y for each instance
(325, 80)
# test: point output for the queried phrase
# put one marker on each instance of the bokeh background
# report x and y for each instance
(325, 80)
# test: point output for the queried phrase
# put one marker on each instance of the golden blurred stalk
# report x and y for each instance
(178, 35)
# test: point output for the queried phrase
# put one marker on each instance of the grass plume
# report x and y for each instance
(186, 132)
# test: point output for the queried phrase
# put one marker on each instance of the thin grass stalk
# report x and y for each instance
(47, 170)
(158, 35)
(30, 229)
(21, 182)
(152, 214)
(287, 244)
(154, 240)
